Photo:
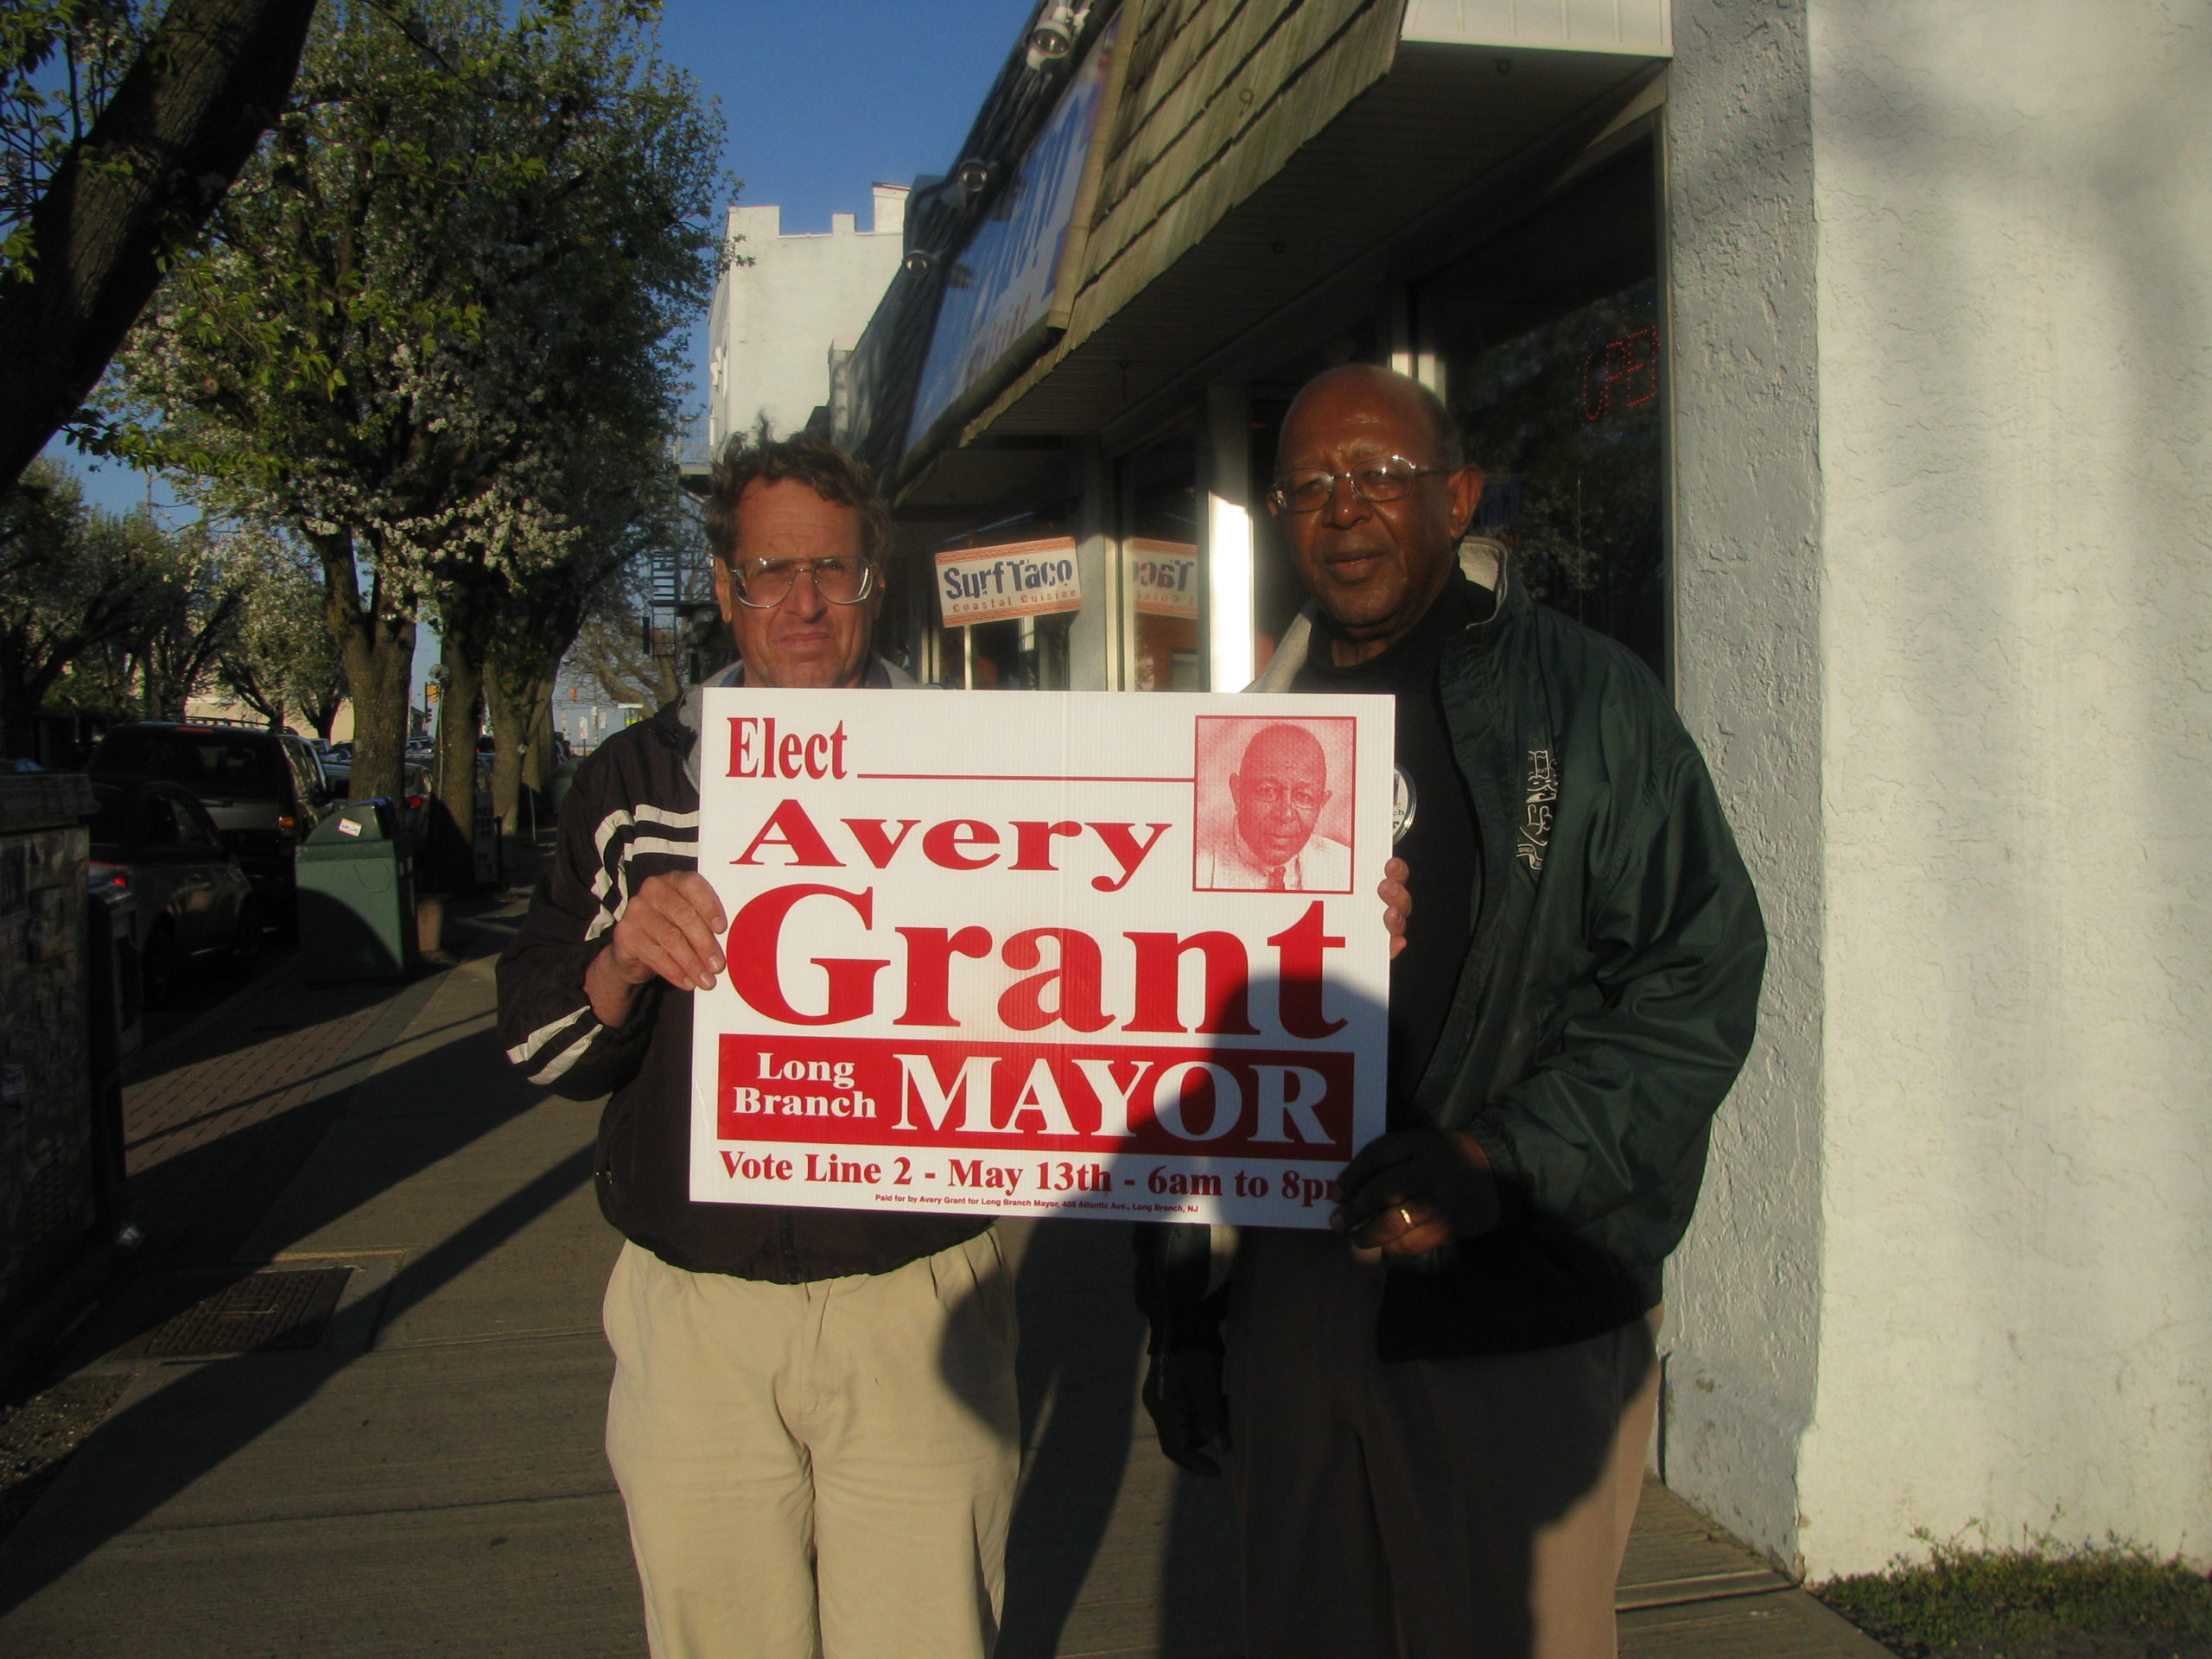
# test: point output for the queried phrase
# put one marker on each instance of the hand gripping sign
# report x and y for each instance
(1061, 952)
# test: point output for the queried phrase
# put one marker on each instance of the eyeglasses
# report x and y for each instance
(1387, 478)
(1305, 797)
(763, 584)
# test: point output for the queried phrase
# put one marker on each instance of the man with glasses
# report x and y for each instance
(1272, 843)
(1436, 1416)
(813, 1420)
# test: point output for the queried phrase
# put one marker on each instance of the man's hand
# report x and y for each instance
(1397, 903)
(1182, 1392)
(667, 931)
(1414, 1190)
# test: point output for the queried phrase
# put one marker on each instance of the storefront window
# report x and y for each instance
(1278, 591)
(1161, 571)
(1552, 360)
(1019, 654)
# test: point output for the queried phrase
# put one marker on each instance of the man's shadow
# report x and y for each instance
(1083, 1348)
(1171, 1581)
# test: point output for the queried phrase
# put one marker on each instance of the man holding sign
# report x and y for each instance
(813, 1419)
(1438, 1418)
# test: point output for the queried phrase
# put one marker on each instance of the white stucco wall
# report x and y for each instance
(776, 319)
(1984, 492)
(1742, 1336)
(2015, 268)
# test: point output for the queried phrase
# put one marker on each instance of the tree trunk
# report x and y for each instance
(451, 855)
(379, 668)
(209, 80)
(376, 648)
(537, 765)
(521, 701)
(510, 726)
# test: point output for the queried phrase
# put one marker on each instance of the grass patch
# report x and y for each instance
(2089, 1602)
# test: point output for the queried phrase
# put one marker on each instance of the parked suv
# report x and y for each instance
(264, 790)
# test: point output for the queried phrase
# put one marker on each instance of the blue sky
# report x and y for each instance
(824, 97)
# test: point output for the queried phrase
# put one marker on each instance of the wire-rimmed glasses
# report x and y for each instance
(1385, 477)
(841, 578)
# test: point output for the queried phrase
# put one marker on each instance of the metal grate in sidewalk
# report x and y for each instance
(280, 1308)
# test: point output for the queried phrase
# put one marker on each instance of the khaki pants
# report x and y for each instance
(1455, 1508)
(817, 1469)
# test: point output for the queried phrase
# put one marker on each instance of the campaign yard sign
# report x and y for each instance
(1063, 952)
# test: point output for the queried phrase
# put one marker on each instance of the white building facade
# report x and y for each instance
(788, 306)
(1941, 279)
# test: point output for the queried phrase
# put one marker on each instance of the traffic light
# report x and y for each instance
(430, 693)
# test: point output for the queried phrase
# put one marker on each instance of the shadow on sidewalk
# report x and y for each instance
(225, 1404)
(244, 1101)
(1089, 1451)
(1081, 1335)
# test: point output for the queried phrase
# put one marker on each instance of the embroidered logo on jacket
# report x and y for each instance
(1540, 797)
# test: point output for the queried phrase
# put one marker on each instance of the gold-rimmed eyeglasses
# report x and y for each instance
(1385, 477)
(842, 579)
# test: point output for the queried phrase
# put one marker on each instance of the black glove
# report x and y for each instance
(1182, 1392)
(1412, 1191)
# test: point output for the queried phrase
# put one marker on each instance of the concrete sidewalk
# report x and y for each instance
(428, 1478)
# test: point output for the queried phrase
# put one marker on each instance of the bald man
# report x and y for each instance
(1280, 787)
(1436, 1416)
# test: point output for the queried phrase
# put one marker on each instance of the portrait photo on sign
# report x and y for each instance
(1275, 805)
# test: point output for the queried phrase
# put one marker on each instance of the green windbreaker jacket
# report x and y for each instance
(1607, 1004)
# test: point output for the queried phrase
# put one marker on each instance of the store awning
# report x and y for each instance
(1277, 189)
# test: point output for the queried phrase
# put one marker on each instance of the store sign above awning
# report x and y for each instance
(1164, 577)
(997, 584)
(1005, 294)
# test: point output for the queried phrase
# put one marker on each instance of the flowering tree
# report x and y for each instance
(279, 660)
(628, 509)
(457, 262)
(116, 138)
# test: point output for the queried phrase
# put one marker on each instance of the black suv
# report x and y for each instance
(264, 790)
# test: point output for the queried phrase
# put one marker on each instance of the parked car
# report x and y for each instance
(195, 904)
(264, 790)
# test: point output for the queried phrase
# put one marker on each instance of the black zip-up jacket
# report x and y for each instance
(634, 813)
(1606, 1002)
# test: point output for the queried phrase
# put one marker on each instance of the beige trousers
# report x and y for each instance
(1452, 1509)
(823, 1469)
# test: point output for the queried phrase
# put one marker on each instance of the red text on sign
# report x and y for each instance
(888, 1092)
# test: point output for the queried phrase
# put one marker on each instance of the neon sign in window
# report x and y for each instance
(1621, 374)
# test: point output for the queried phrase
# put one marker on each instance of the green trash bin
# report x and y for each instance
(557, 787)
(356, 896)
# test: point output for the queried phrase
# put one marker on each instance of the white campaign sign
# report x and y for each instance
(1073, 952)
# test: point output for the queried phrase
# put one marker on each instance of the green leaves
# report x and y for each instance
(59, 62)
(460, 258)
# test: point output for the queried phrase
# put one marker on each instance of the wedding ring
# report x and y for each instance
(1406, 1216)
